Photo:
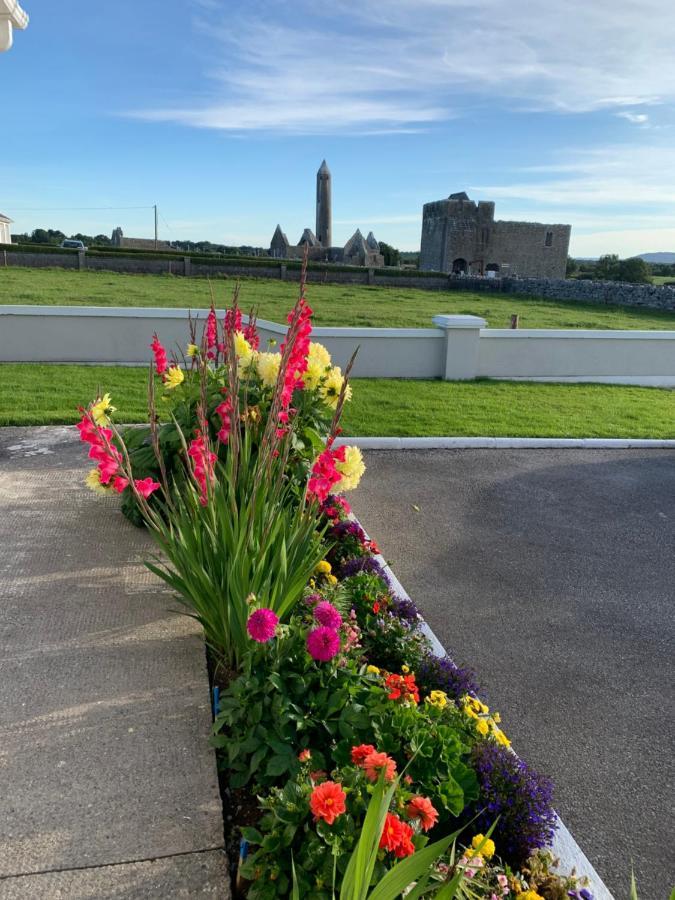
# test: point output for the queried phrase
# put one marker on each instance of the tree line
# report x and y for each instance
(610, 268)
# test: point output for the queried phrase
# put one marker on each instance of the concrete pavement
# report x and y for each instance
(552, 573)
(108, 785)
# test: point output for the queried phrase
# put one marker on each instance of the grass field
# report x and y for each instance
(49, 395)
(356, 305)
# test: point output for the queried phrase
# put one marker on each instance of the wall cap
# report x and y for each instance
(446, 321)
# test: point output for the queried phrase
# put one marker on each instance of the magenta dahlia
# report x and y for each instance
(323, 643)
(326, 614)
(262, 625)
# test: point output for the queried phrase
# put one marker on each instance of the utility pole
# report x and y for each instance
(155, 226)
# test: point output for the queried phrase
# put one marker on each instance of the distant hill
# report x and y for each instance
(666, 258)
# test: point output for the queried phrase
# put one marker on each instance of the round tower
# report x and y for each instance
(324, 209)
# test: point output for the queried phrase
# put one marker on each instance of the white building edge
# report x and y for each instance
(11, 17)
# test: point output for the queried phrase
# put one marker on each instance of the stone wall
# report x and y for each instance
(523, 246)
(611, 292)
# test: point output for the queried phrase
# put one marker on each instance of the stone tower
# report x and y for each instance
(324, 210)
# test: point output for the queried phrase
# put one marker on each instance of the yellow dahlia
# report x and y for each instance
(330, 387)
(93, 481)
(173, 377)
(351, 469)
(100, 409)
(267, 365)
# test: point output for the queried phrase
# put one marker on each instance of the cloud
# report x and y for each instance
(306, 68)
(610, 177)
(635, 118)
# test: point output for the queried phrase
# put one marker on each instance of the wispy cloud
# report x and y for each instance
(634, 118)
(304, 68)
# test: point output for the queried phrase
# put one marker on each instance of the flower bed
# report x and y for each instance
(355, 761)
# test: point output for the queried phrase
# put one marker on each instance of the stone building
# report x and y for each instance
(358, 251)
(118, 240)
(462, 237)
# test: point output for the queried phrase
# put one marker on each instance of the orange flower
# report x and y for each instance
(327, 801)
(391, 833)
(405, 845)
(421, 808)
(397, 837)
(403, 688)
(304, 756)
(359, 753)
(376, 762)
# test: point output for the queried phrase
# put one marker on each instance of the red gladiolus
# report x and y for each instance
(327, 801)
(161, 363)
(324, 476)
(233, 320)
(251, 334)
(422, 809)
(107, 456)
(224, 410)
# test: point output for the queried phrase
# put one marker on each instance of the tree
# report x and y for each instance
(634, 270)
(572, 266)
(392, 256)
(607, 267)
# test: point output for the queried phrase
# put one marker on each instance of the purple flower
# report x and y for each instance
(323, 643)
(520, 796)
(367, 564)
(348, 528)
(404, 608)
(262, 625)
(326, 614)
(439, 673)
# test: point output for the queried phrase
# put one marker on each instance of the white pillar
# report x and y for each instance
(462, 334)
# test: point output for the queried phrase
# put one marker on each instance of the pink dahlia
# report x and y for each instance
(326, 614)
(262, 625)
(323, 643)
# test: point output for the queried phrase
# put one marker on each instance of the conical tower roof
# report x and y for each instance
(323, 169)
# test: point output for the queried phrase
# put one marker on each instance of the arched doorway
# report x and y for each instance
(459, 266)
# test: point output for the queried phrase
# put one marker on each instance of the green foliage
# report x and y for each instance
(287, 702)
(252, 539)
(392, 256)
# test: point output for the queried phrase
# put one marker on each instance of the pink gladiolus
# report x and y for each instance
(251, 335)
(233, 320)
(203, 465)
(262, 625)
(224, 410)
(324, 476)
(211, 328)
(146, 486)
(326, 614)
(161, 363)
(119, 483)
(323, 643)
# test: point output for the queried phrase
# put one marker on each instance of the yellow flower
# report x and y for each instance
(323, 568)
(372, 670)
(331, 579)
(496, 717)
(482, 727)
(192, 350)
(501, 738)
(318, 361)
(488, 848)
(330, 387)
(100, 408)
(93, 481)
(173, 377)
(351, 470)
(405, 669)
(530, 895)
(241, 346)
(267, 365)
(437, 698)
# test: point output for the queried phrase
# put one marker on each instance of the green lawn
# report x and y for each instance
(49, 395)
(333, 304)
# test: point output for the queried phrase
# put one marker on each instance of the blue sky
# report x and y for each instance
(221, 111)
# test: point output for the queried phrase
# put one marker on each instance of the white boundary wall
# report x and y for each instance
(458, 347)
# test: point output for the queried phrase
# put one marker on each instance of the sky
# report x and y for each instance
(221, 111)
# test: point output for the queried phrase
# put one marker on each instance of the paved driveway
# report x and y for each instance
(552, 573)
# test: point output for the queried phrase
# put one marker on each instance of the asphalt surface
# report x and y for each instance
(108, 787)
(552, 573)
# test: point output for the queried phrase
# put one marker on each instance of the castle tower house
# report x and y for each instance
(324, 210)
